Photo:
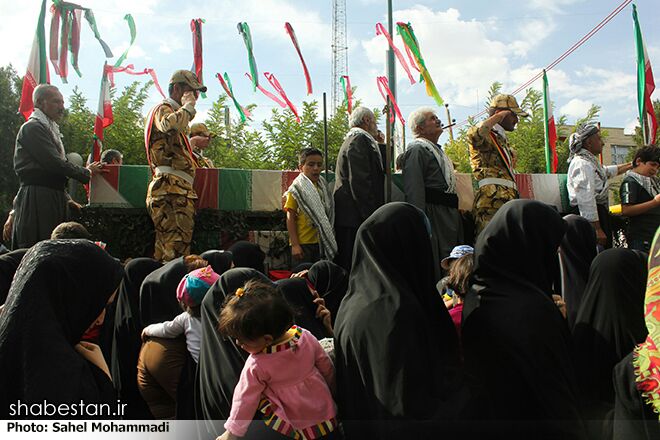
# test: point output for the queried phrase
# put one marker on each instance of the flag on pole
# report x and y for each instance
(551, 160)
(104, 116)
(198, 63)
(645, 86)
(37, 68)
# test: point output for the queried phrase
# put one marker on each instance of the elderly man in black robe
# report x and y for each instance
(359, 181)
(429, 182)
(42, 169)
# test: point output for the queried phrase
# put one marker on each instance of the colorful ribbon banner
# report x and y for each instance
(70, 15)
(382, 83)
(380, 30)
(276, 85)
(104, 116)
(413, 50)
(131, 27)
(198, 62)
(226, 84)
(348, 92)
(292, 34)
(267, 93)
(244, 30)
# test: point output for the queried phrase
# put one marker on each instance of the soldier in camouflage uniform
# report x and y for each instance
(171, 197)
(493, 160)
(200, 136)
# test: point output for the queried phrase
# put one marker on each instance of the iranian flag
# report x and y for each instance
(104, 116)
(550, 130)
(37, 68)
(645, 86)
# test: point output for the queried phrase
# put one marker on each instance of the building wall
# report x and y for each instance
(617, 146)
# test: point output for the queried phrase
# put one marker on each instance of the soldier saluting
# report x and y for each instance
(170, 196)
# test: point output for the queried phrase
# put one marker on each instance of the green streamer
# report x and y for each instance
(238, 106)
(410, 40)
(131, 26)
(244, 30)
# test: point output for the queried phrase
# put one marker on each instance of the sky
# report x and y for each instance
(467, 45)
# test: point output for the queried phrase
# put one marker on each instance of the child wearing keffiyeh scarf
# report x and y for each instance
(640, 198)
(310, 211)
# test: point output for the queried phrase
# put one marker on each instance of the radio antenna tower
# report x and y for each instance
(339, 52)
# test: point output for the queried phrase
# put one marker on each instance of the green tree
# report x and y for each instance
(10, 122)
(126, 134)
(77, 126)
(235, 144)
(528, 139)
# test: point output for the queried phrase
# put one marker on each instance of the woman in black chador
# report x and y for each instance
(395, 344)
(59, 290)
(576, 252)
(516, 342)
(609, 323)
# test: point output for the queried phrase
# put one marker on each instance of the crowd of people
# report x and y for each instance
(398, 321)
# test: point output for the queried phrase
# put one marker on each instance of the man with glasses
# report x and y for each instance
(170, 196)
(493, 160)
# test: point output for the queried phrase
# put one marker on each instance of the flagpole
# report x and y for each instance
(548, 167)
(390, 128)
(325, 135)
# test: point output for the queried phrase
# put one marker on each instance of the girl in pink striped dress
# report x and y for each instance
(287, 378)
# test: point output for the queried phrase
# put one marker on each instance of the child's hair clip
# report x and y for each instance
(240, 292)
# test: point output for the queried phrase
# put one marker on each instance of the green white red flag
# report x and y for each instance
(37, 68)
(104, 116)
(551, 159)
(645, 86)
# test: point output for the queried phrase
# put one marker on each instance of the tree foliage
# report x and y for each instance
(528, 139)
(10, 122)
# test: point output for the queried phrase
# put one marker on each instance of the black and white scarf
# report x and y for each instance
(650, 184)
(318, 205)
(444, 162)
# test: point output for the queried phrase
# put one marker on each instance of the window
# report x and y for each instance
(620, 154)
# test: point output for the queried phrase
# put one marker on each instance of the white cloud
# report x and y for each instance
(460, 57)
(136, 52)
(630, 126)
(575, 108)
(266, 19)
(531, 34)
(551, 5)
(201, 115)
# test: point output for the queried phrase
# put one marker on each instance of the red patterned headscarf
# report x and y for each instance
(646, 357)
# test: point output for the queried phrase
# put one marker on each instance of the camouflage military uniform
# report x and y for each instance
(486, 163)
(171, 197)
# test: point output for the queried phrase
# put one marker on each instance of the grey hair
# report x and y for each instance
(417, 117)
(109, 155)
(357, 116)
(42, 91)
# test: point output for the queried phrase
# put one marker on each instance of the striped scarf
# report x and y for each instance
(52, 128)
(444, 162)
(357, 130)
(650, 184)
(318, 205)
